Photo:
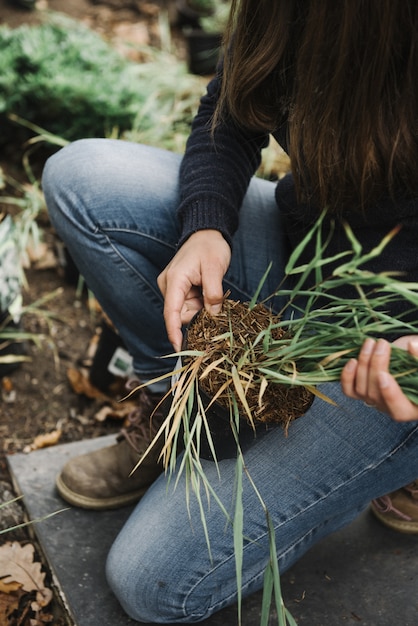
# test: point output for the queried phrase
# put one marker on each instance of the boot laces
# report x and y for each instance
(412, 489)
(384, 505)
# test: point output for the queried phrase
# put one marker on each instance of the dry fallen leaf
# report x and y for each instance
(82, 385)
(6, 384)
(9, 587)
(17, 566)
(44, 441)
(8, 604)
(116, 412)
(40, 255)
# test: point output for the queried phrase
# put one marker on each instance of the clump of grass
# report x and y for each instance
(305, 345)
(232, 341)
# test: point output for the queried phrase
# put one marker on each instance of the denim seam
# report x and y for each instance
(125, 261)
(131, 231)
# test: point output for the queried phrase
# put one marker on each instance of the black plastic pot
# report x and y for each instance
(203, 50)
(187, 16)
(111, 359)
(66, 263)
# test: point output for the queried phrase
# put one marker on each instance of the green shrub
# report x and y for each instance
(65, 78)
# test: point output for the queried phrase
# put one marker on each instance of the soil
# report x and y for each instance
(233, 337)
(41, 400)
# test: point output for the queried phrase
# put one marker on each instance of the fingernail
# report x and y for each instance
(215, 309)
(368, 346)
(381, 347)
(413, 346)
(351, 365)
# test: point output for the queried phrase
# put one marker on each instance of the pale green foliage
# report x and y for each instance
(330, 329)
(67, 79)
(216, 21)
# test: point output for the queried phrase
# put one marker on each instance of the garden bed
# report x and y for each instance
(37, 399)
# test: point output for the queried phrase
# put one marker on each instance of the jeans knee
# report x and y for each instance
(140, 593)
(69, 180)
(69, 163)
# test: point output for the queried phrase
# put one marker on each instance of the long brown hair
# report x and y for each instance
(345, 72)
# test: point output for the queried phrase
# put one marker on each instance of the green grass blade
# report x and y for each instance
(260, 285)
(238, 529)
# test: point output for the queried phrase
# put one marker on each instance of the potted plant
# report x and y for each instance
(17, 233)
(11, 350)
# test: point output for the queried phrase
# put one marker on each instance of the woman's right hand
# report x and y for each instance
(193, 279)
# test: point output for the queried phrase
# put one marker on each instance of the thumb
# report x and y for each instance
(213, 302)
(214, 309)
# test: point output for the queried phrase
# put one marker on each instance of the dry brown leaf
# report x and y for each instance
(46, 262)
(115, 411)
(9, 587)
(39, 255)
(94, 306)
(44, 441)
(82, 385)
(42, 618)
(17, 566)
(43, 598)
(8, 604)
(6, 384)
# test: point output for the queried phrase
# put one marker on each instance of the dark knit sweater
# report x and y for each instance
(215, 175)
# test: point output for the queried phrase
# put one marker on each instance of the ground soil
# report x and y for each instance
(37, 398)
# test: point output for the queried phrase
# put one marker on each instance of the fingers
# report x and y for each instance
(374, 358)
(367, 378)
(175, 294)
(194, 279)
(396, 403)
(359, 377)
(212, 288)
(348, 378)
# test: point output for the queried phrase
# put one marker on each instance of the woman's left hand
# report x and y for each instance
(367, 378)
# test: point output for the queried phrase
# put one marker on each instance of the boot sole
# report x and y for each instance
(97, 504)
(401, 526)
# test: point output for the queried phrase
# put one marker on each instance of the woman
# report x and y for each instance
(157, 237)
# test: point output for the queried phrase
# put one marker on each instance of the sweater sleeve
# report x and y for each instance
(216, 170)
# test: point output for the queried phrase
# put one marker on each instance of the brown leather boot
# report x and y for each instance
(399, 509)
(101, 479)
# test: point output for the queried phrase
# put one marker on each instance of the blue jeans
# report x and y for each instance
(113, 204)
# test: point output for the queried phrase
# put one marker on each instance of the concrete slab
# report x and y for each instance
(363, 574)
